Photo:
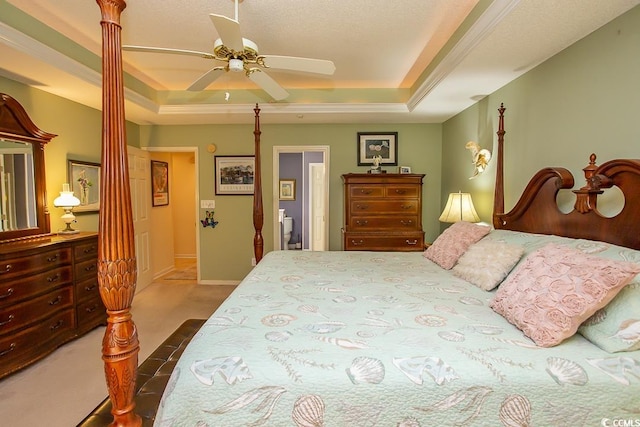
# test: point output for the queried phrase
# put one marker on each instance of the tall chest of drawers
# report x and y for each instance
(383, 212)
(48, 296)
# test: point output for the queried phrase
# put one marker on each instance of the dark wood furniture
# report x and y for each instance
(153, 376)
(48, 296)
(16, 126)
(383, 212)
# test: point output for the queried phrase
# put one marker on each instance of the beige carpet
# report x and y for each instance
(63, 388)
(188, 273)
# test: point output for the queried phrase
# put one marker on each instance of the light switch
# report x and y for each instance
(207, 204)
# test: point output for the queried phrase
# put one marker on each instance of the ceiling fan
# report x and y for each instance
(241, 55)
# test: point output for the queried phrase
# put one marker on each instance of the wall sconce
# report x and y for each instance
(481, 157)
(67, 201)
(459, 208)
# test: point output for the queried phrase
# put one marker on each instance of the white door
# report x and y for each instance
(139, 181)
(317, 200)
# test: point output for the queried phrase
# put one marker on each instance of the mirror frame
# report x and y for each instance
(15, 125)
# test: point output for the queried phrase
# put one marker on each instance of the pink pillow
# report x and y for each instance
(556, 288)
(453, 242)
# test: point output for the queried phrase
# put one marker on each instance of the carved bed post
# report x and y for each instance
(498, 197)
(116, 251)
(258, 215)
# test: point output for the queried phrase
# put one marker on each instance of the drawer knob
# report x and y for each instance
(53, 278)
(57, 325)
(90, 267)
(7, 294)
(9, 320)
(406, 206)
(9, 350)
(363, 191)
(398, 191)
(362, 207)
(7, 268)
(91, 309)
(357, 243)
(90, 250)
(363, 222)
(407, 222)
(53, 258)
(411, 242)
(56, 301)
(90, 288)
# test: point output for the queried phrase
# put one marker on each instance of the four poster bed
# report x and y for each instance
(406, 339)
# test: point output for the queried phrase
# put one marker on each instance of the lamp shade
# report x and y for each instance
(66, 199)
(459, 208)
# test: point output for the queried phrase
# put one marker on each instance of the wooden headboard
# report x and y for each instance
(537, 210)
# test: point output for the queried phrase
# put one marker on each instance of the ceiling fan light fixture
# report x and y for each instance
(236, 65)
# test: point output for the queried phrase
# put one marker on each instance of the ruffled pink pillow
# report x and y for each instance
(556, 288)
(453, 242)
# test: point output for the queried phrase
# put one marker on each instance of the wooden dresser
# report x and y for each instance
(48, 296)
(383, 212)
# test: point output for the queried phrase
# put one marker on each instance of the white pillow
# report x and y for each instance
(486, 263)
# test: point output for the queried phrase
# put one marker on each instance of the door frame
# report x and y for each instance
(277, 149)
(193, 150)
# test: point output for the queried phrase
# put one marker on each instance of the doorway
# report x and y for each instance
(174, 226)
(309, 167)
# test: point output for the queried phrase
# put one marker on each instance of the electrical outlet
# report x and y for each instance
(253, 262)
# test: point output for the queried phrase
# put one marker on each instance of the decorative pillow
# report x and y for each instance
(616, 327)
(453, 242)
(486, 263)
(556, 288)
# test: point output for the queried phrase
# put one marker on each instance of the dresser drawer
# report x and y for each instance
(397, 222)
(84, 269)
(91, 313)
(384, 206)
(20, 315)
(87, 289)
(404, 191)
(13, 267)
(86, 250)
(356, 191)
(384, 242)
(30, 344)
(14, 291)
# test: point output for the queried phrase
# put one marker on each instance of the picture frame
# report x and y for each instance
(371, 144)
(405, 169)
(234, 175)
(287, 189)
(159, 183)
(84, 181)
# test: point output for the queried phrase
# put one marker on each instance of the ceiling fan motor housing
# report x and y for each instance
(236, 65)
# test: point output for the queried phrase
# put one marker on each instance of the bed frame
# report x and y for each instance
(536, 211)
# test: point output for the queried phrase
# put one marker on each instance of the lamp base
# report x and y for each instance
(70, 231)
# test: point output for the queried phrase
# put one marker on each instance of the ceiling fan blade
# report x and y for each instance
(309, 65)
(206, 79)
(168, 50)
(229, 32)
(269, 85)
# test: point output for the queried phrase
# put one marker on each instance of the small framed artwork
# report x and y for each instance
(234, 175)
(374, 144)
(405, 169)
(287, 189)
(84, 181)
(159, 183)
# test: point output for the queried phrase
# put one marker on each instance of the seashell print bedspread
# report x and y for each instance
(383, 339)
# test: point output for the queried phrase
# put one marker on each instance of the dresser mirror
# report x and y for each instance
(23, 210)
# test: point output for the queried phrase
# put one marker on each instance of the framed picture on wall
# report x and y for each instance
(84, 181)
(287, 189)
(383, 144)
(159, 183)
(234, 175)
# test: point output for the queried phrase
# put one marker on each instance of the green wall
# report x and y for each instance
(226, 251)
(585, 99)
